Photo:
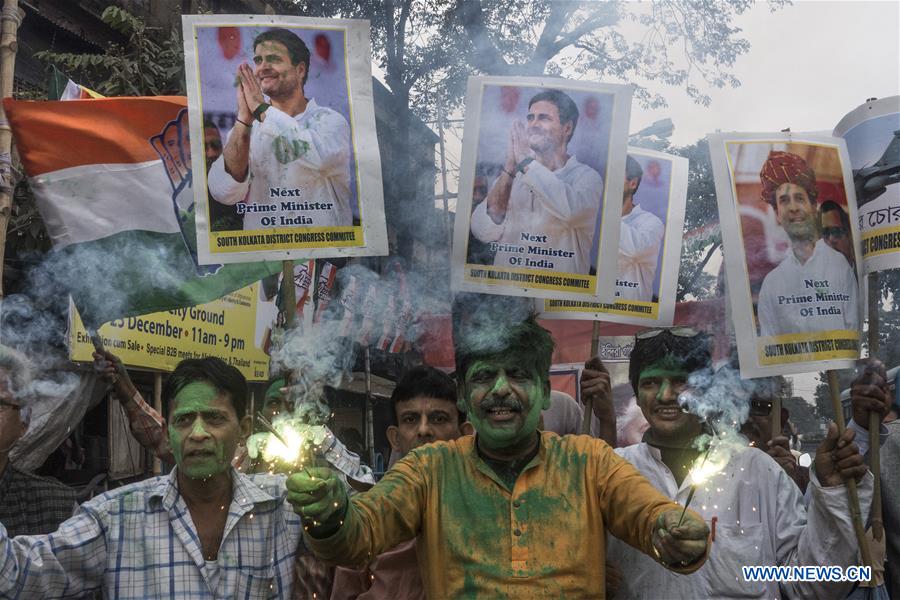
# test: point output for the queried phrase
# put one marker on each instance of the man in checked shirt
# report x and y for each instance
(203, 531)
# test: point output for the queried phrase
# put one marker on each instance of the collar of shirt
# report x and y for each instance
(485, 469)
(243, 492)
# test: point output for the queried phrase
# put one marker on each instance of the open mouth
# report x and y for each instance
(501, 414)
(200, 453)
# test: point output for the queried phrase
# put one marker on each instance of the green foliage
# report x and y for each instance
(144, 66)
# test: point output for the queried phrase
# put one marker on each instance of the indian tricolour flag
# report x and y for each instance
(112, 180)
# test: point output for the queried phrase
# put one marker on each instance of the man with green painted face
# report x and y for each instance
(511, 512)
(755, 510)
(203, 531)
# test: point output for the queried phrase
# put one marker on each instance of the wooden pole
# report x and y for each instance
(589, 402)
(440, 123)
(852, 492)
(370, 416)
(874, 417)
(775, 418)
(288, 294)
(157, 405)
(10, 18)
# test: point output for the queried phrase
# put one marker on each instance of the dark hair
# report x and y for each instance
(425, 381)
(208, 124)
(487, 327)
(214, 371)
(692, 352)
(296, 48)
(832, 206)
(568, 112)
(633, 170)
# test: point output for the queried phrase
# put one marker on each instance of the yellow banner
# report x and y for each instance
(548, 280)
(881, 241)
(285, 239)
(225, 328)
(804, 347)
(630, 308)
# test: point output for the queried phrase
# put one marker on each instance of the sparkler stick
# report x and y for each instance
(694, 485)
(268, 426)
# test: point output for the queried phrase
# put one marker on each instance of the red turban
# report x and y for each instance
(784, 167)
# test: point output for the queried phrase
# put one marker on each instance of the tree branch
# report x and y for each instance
(485, 55)
(699, 270)
(556, 20)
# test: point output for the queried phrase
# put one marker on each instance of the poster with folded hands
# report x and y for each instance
(540, 187)
(787, 208)
(649, 256)
(282, 125)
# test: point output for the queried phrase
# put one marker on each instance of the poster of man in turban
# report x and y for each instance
(788, 216)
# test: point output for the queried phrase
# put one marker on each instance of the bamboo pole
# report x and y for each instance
(775, 418)
(10, 18)
(157, 406)
(874, 417)
(852, 492)
(288, 294)
(370, 417)
(589, 402)
(440, 123)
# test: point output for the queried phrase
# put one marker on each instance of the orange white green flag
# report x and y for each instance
(113, 182)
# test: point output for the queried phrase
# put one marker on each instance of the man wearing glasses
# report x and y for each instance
(755, 512)
(834, 223)
(29, 505)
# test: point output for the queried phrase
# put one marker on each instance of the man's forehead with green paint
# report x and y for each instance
(274, 389)
(196, 396)
(668, 366)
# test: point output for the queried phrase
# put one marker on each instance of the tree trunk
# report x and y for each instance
(9, 25)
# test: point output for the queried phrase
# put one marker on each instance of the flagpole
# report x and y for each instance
(875, 417)
(589, 402)
(10, 19)
(370, 417)
(852, 493)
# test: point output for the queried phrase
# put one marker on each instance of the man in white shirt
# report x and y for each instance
(541, 211)
(640, 237)
(756, 513)
(285, 164)
(813, 288)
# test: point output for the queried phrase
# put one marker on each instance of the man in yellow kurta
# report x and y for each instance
(511, 512)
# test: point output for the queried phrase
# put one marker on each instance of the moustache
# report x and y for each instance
(493, 403)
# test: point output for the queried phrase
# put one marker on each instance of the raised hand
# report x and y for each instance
(838, 458)
(869, 392)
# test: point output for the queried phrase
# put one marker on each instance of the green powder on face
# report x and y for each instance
(194, 400)
(498, 438)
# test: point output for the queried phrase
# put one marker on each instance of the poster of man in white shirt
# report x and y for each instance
(299, 164)
(805, 307)
(547, 149)
(650, 236)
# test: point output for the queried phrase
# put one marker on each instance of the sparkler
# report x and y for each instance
(697, 476)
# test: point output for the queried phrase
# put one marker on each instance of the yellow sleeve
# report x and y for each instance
(379, 519)
(631, 504)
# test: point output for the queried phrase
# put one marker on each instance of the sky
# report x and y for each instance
(809, 64)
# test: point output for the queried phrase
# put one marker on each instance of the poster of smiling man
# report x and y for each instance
(540, 182)
(650, 237)
(792, 276)
(286, 157)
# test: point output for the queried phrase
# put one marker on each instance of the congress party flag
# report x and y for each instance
(112, 179)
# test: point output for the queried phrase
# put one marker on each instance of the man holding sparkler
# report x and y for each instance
(511, 512)
(425, 411)
(204, 530)
(755, 511)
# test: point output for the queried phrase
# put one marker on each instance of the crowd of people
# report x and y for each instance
(483, 501)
